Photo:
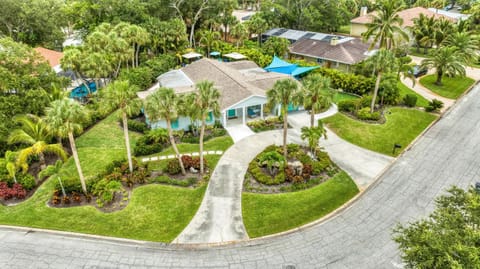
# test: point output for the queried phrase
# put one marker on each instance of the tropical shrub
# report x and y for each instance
(349, 106)
(27, 181)
(196, 163)
(146, 146)
(16, 191)
(348, 82)
(105, 191)
(167, 180)
(142, 77)
(434, 106)
(187, 161)
(364, 114)
(410, 100)
(173, 167)
(137, 126)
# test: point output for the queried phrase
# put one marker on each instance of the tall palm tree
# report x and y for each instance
(422, 30)
(446, 61)
(65, 117)
(187, 107)
(284, 93)
(382, 62)
(96, 66)
(122, 95)
(442, 29)
(206, 101)
(164, 104)
(317, 94)
(210, 39)
(35, 133)
(466, 44)
(72, 60)
(385, 25)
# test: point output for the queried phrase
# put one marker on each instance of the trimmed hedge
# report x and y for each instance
(351, 83)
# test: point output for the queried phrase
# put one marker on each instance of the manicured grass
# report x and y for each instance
(401, 127)
(340, 96)
(452, 87)
(265, 214)
(404, 90)
(155, 212)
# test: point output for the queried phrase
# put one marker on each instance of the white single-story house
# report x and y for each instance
(242, 86)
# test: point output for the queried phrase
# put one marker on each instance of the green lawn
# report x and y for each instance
(340, 96)
(452, 87)
(155, 212)
(265, 214)
(404, 90)
(401, 127)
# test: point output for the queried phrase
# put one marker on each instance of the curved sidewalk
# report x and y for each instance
(219, 218)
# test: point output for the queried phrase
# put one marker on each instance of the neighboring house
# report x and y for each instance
(338, 52)
(454, 15)
(329, 50)
(52, 57)
(242, 85)
(358, 25)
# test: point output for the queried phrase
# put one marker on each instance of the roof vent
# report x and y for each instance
(334, 41)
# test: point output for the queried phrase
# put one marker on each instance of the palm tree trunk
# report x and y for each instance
(439, 78)
(375, 91)
(312, 117)
(137, 51)
(285, 126)
(174, 146)
(77, 161)
(41, 158)
(202, 132)
(127, 141)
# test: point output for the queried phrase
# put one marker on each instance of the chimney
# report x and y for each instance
(363, 11)
(334, 41)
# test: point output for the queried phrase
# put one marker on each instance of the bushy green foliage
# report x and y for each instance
(142, 77)
(348, 105)
(27, 181)
(137, 126)
(434, 106)
(351, 83)
(167, 180)
(364, 114)
(410, 100)
(270, 123)
(173, 167)
(105, 190)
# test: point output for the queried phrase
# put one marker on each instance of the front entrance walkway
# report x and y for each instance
(239, 132)
(219, 218)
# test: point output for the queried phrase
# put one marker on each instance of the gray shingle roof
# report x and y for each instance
(350, 52)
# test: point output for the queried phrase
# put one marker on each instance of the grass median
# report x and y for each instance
(451, 87)
(265, 214)
(401, 127)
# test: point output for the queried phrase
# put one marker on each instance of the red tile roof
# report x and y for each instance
(53, 57)
(407, 15)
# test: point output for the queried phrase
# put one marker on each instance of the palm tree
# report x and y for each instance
(382, 62)
(11, 164)
(187, 107)
(385, 25)
(209, 39)
(121, 94)
(96, 66)
(240, 32)
(284, 93)
(466, 44)
(66, 116)
(317, 94)
(35, 133)
(257, 25)
(72, 60)
(312, 135)
(206, 101)
(443, 28)
(422, 30)
(53, 170)
(446, 61)
(164, 104)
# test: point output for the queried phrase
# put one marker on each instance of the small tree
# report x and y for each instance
(206, 101)
(122, 95)
(284, 93)
(312, 136)
(52, 171)
(448, 238)
(163, 104)
(382, 62)
(317, 94)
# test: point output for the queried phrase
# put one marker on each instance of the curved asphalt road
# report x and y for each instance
(359, 237)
